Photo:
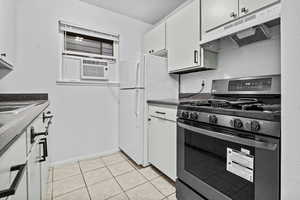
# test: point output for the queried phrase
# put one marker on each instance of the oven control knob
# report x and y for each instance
(194, 116)
(255, 126)
(213, 119)
(185, 115)
(237, 123)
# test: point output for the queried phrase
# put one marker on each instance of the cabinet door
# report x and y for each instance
(249, 6)
(162, 146)
(218, 12)
(21, 193)
(155, 40)
(15, 155)
(7, 30)
(183, 36)
(34, 173)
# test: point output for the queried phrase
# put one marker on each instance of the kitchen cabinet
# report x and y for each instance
(13, 157)
(249, 6)
(38, 164)
(218, 12)
(33, 172)
(183, 36)
(162, 139)
(7, 30)
(155, 40)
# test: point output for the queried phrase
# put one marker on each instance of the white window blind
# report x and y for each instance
(72, 28)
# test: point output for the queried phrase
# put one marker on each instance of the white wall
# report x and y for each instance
(259, 58)
(290, 100)
(86, 117)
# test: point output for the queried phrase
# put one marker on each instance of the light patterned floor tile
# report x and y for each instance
(66, 170)
(97, 175)
(122, 196)
(172, 197)
(81, 194)
(164, 186)
(130, 180)
(67, 185)
(120, 168)
(104, 190)
(150, 173)
(91, 164)
(145, 192)
(112, 159)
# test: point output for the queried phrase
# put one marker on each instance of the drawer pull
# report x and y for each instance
(47, 116)
(161, 113)
(43, 142)
(14, 186)
(33, 134)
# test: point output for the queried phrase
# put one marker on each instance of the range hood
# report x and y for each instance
(251, 35)
(5, 68)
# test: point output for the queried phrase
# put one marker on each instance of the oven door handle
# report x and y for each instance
(230, 138)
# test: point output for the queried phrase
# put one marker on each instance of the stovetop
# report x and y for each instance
(240, 107)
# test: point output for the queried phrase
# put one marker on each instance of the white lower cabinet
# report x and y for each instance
(24, 166)
(13, 171)
(162, 141)
(34, 173)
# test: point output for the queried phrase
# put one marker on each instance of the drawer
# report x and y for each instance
(14, 156)
(164, 112)
(185, 193)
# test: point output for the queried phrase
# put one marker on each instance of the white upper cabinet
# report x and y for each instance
(155, 40)
(249, 6)
(7, 30)
(183, 36)
(218, 12)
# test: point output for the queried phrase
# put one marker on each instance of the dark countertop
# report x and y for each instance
(172, 102)
(12, 126)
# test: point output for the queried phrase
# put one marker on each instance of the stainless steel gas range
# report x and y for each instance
(228, 146)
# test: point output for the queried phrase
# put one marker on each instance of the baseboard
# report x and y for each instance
(75, 159)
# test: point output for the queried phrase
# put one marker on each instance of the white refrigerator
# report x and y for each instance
(139, 82)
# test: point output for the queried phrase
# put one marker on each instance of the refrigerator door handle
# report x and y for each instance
(136, 102)
(136, 75)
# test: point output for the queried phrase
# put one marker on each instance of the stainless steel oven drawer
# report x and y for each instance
(185, 193)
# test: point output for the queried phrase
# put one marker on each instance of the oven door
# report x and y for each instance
(225, 164)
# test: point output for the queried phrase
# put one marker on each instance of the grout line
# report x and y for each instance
(153, 184)
(118, 184)
(84, 182)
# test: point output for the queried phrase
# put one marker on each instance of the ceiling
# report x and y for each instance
(149, 11)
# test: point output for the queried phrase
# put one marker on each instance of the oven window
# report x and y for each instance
(206, 158)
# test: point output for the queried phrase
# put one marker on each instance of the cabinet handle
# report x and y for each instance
(33, 134)
(3, 54)
(43, 142)
(14, 186)
(162, 113)
(196, 56)
(47, 116)
(245, 10)
(233, 15)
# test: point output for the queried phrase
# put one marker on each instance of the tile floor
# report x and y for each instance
(112, 177)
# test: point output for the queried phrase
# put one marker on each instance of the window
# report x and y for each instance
(86, 44)
(87, 55)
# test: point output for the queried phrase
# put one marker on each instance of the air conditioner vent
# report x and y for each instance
(94, 69)
(94, 62)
